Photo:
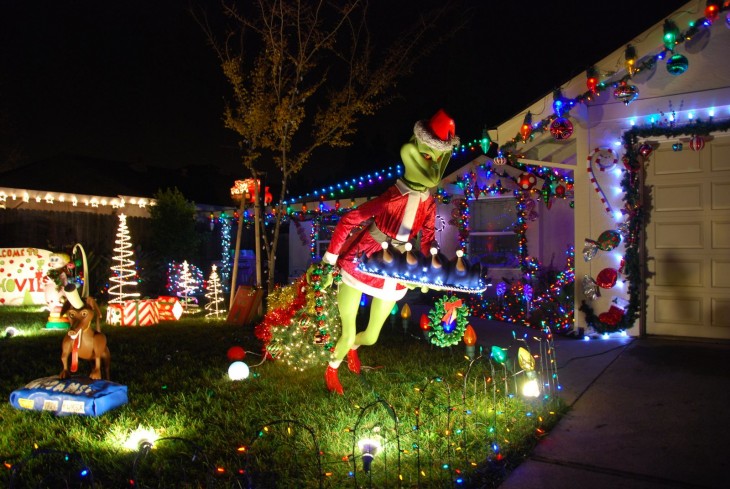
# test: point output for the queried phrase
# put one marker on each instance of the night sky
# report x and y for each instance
(135, 81)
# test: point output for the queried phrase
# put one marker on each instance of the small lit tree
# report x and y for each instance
(186, 286)
(123, 270)
(214, 296)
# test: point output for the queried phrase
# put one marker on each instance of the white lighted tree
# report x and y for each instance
(123, 272)
(186, 286)
(214, 296)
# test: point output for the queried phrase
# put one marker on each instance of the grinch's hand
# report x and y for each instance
(323, 275)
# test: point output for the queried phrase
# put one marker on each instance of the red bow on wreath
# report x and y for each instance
(450, 311)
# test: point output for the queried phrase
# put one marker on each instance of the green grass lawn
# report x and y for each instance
(440, 421)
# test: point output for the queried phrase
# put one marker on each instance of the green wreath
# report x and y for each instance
(441, 334)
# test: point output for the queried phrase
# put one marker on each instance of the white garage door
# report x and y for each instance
(688, 241)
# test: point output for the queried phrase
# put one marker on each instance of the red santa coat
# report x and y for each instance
(400, 213)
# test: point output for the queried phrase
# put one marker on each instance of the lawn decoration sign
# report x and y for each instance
(23, 274)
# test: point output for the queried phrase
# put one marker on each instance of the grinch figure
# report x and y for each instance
(396, 218)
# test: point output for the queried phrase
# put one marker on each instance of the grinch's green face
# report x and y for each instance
(424, 166)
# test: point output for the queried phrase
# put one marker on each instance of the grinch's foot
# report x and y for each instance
(332, 381)
(353, 362)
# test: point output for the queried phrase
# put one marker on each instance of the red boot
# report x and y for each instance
(332, 381)
(353, 362)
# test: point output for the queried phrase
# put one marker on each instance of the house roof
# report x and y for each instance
(76, 174)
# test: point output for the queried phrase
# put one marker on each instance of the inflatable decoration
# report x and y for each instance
(396, 217)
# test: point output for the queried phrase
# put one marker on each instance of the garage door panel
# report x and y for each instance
(678, 310)
(678, 272)
(678, 198)
(720, 312)
(720, 235)
(720, 156)
(684, 235)
(674, 162)
(688, 241)
(721, 273)
(720, 195)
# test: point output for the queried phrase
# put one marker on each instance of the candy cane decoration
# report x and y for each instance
(605, 158)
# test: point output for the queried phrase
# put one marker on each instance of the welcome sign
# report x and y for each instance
(22, 273)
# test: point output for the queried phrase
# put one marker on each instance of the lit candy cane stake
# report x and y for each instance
(605, 159)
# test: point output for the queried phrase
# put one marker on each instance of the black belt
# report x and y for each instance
(380, 237)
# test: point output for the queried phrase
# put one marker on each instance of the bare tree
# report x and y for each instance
(302, 74)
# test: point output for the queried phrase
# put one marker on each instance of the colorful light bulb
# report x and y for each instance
(630, 59)
(712, 11)
(592, 79)
(671, 34)
(526, 129)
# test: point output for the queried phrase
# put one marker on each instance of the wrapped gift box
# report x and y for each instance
(169, 308)
(140, 313)
(114, 314)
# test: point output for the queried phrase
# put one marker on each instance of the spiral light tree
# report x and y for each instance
(123, 269)
(213, 294)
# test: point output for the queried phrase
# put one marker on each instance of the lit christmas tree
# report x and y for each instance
(226, 253)
(214, 295)
(123, 270)
(186, 287)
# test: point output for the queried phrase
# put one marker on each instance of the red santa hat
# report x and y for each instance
(438, 133)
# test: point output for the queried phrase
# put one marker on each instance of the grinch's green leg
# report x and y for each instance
(348, 302)
(379, 311)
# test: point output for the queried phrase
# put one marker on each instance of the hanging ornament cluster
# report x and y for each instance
(676, 64)
(447, 321)
(607, 241)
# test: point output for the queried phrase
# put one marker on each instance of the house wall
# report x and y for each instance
(703, 88)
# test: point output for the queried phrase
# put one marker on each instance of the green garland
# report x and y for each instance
(638, 219)
(436, 333)
(309, 338)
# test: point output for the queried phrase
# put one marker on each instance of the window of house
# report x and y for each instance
(492, 239)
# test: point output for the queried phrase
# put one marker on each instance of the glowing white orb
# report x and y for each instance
(238, 371)
(531, 388)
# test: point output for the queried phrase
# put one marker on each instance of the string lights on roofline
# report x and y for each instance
(342, 189)
(621, 87)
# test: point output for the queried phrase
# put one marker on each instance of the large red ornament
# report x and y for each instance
(526, 181)
(696, 143)
(561, 129)
(606, 278)
(236, 353)
(645, 150)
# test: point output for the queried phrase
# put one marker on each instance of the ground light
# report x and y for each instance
(369, 448)
(10, 332)
(141, 439)
(238, 371)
